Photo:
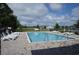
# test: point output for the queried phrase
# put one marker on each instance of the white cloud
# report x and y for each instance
(23, 22)
(33, 14)
(75, 11)
(54, 17)
(56, 6)
(61, 19)
(28, 9)
(28, 12)
(26, 18)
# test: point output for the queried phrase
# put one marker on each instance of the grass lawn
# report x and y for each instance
(31, 29)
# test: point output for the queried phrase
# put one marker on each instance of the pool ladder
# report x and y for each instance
(46, 35)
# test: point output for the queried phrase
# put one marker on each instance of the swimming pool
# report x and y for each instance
(43, 36)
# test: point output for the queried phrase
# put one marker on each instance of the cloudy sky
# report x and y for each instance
(46, 14)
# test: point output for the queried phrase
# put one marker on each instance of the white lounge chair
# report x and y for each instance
(12, 36)
(74, 36)
(56, 32)
(71, 35)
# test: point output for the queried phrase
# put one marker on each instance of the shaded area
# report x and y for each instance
(0, 46)
(68, 50)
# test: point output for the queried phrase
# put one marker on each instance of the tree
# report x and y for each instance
(77, 24)
(44, 27)
(7, 19)
(5, 10)
(38, 26)
(56, 27)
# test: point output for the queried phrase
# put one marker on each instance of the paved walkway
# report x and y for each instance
(15, 47)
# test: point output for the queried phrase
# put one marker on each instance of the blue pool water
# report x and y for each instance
(42, 36)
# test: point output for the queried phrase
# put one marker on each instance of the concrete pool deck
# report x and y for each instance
(15, 47)
(21, 46)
